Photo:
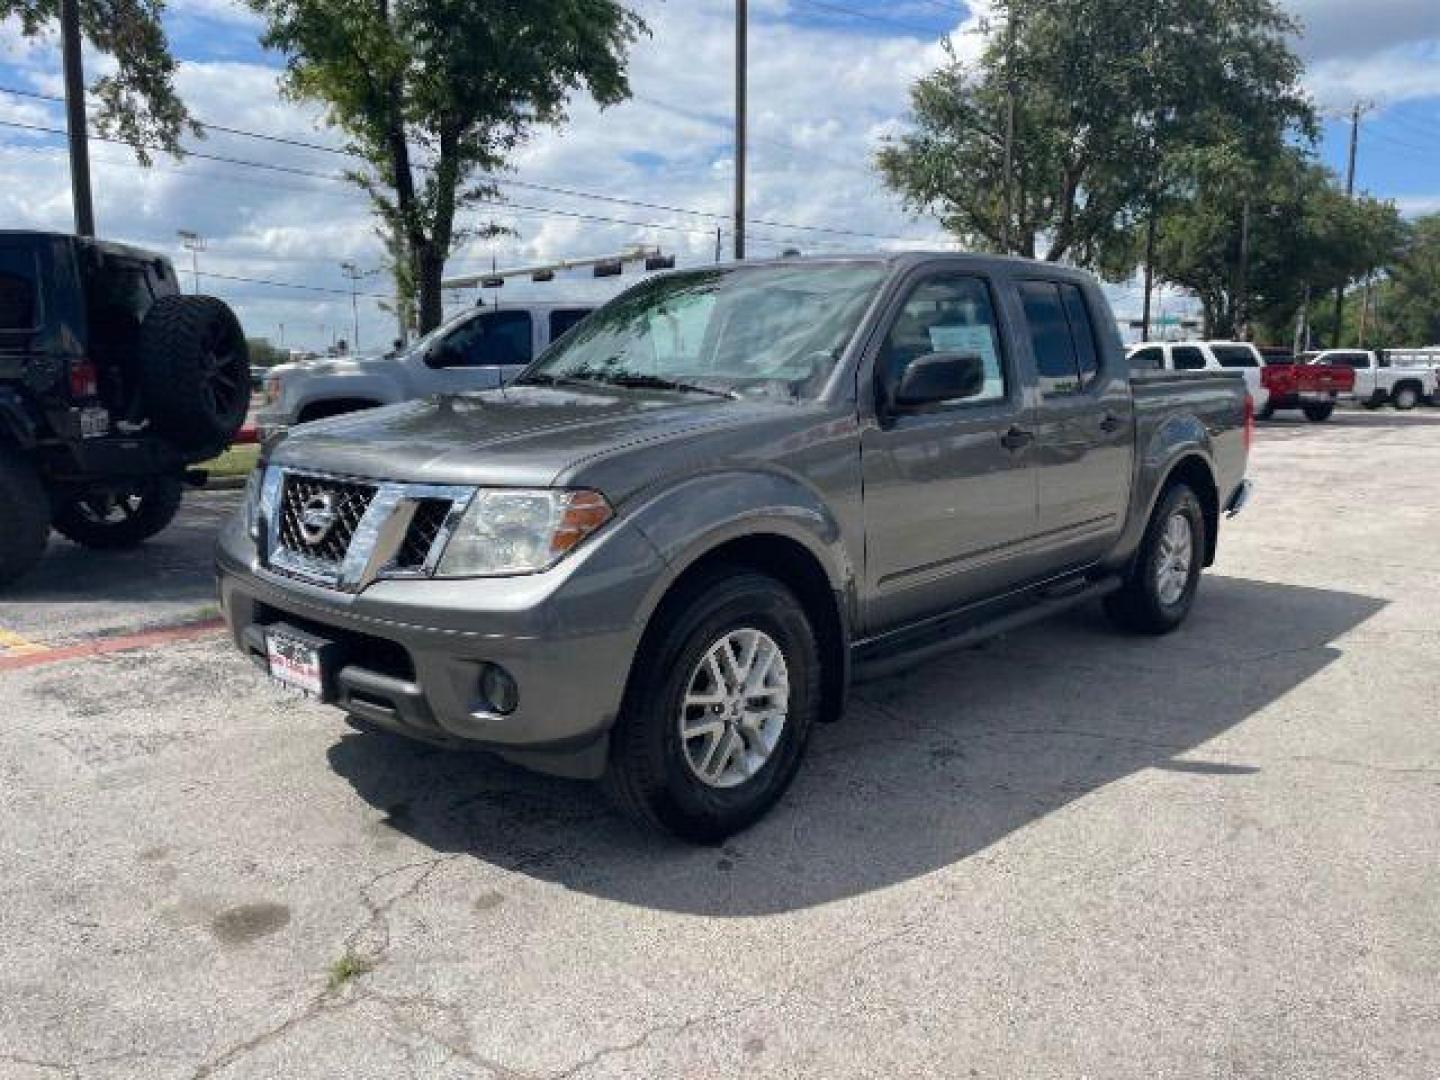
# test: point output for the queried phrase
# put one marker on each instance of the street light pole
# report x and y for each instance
(194, 243)
(354, 273)
(75, 124)
(742, 19)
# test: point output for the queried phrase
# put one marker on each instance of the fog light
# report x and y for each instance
(498, 688)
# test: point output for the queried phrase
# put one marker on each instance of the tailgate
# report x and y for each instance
(1323, 379)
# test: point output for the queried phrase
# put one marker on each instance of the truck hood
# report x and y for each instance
(525, 436)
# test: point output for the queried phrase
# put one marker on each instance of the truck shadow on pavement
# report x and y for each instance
(927, 768)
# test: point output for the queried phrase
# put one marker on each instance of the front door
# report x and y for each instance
(949, 494)
(1085, 425)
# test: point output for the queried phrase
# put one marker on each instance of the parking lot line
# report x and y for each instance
(16, 661)
(12, 644)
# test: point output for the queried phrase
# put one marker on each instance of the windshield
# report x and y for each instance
(758, 331)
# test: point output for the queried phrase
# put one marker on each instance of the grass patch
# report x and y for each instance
(350, 966)
(237, 461)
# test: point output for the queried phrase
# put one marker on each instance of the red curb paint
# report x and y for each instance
(121, 643)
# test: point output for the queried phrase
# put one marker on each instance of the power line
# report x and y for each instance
(295, 285)
(504, 181)
(856, 13)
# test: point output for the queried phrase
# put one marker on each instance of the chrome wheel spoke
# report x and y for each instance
(735, 707)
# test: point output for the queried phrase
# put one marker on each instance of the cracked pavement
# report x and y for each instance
(1067, 853)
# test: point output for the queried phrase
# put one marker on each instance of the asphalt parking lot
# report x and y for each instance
(1066, 854)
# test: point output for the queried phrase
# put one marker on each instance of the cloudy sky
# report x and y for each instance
(828, 79)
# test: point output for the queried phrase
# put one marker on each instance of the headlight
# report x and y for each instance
(250, 508)
(513, 531)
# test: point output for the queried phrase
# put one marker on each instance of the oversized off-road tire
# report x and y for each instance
(120, 518)
(1161, 586)
(24, 516)
(1318, 414)
(1405, 397)
(725, 690)
(195, 371)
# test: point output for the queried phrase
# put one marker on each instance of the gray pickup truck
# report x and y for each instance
(662, 554)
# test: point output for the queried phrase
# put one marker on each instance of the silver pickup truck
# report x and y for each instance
(661, 555)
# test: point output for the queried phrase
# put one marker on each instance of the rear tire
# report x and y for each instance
(1161, 587)
(1405, 397)
(1318, 414)
(704, 747)
(107, 521)
(1265, 412)
(195, 372)
(25, 512)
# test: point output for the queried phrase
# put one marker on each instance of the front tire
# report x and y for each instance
(112, 520)
(725, 690)
(1265, 412)
(1160, 589)
(1318, 414)
(25, 512)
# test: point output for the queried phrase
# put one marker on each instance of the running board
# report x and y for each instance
(880, 657)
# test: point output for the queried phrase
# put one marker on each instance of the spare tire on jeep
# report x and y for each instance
(194, 371)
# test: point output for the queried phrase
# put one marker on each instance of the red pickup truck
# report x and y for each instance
(1309, 387)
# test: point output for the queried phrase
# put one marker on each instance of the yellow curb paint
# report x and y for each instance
(12, 644)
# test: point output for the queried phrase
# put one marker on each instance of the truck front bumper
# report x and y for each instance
(409, 655)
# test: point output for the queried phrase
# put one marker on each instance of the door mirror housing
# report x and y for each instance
(939, 377)
(444, 355)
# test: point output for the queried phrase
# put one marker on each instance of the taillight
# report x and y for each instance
(1249, 422)
(84, 379)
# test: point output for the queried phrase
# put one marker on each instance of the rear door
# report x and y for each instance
(1084, 423)
(949, 492)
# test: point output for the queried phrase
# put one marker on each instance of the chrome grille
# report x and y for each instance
(425, 526)
(344, 532)
(319, 515)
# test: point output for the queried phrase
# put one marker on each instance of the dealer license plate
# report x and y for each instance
(295, 664)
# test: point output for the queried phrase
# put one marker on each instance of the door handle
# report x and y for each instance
(1110, 423)
(1017, 438)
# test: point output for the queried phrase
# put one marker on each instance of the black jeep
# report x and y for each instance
(112, 385)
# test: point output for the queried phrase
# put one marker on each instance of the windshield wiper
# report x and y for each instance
(636, 381)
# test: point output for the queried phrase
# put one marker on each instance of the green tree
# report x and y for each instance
(1410, 304)
(1103, 93)
(1303, 233)
(138, 103)
(434, 94)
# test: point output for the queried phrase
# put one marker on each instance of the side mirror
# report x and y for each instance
(937, 377)
(444, 355)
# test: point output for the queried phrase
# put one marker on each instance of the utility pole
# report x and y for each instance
(75, 124)
(1009, 206)
(1149, 272)
(1358, 110)
(194, 243)
(354, 273)
(1242, 284)
(742, 20)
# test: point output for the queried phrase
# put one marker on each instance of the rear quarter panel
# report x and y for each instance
(1180, 415)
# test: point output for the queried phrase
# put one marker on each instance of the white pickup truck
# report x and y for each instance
(1239, 356)
(479, 349)
(1378, 379)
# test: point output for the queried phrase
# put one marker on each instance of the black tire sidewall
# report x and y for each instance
(171, 339)
(1318, 414)
(25, 514)
(676, 798)
(160, 499)
(1179, 499)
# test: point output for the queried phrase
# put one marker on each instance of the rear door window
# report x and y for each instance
(1187, 358)
(19, 291)
(1235, 356)
(1062, 336)
(562, 319)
